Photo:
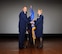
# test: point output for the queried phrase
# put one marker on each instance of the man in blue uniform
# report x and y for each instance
(22, 26)
(39, 28)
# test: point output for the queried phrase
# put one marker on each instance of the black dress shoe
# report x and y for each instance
(40, 46)
(24, 46)
(21, 47)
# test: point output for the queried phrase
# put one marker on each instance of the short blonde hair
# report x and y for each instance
(40, 10)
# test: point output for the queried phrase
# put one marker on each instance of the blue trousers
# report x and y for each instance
(21, 39)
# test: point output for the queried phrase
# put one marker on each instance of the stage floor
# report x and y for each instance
(51, 46)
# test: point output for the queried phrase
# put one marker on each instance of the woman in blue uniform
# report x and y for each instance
(22, 26)
(39, 28)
